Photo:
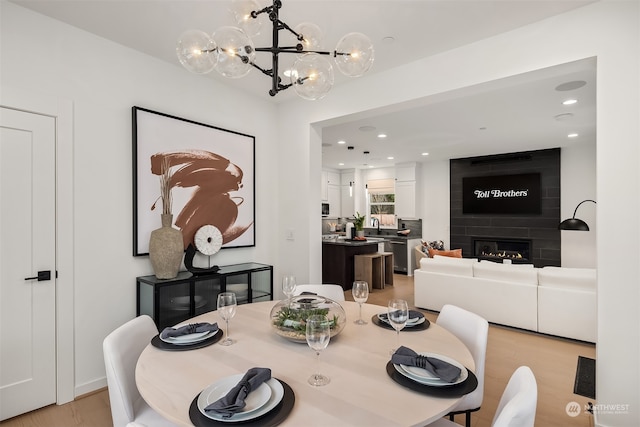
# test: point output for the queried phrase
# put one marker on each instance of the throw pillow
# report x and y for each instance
(454, 253)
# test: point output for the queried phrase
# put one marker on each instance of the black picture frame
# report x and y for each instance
(213, 181)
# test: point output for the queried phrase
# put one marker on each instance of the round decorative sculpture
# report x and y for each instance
(208, 240)
(289, 317)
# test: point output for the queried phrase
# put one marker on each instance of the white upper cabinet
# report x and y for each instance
(407, 191)
(330, 191)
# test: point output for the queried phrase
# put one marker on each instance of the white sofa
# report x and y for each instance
(552, 300)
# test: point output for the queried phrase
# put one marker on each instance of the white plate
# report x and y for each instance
(189, 339)
(256, 401)
(424, 377)
(414, 322)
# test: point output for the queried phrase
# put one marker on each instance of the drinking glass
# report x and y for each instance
(289, 287)
(398, 312)
(360, 291)
(318, 334)
(227, 309)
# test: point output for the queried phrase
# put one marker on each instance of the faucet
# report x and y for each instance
(375, 222)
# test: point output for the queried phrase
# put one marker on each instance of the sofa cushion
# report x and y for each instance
(454, 253)
(506, 272)
(448, 265)
(565, 277)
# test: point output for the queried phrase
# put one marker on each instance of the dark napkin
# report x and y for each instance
(192, 328)
(233, 401)
(441, 369)
(413, 315)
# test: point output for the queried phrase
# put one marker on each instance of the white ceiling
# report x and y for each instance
(518, 113)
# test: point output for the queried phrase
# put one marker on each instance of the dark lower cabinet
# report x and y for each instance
(174, 300)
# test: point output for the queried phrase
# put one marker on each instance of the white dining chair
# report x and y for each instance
(334, 292)
(473, 331)
(517, 405)
(121, 349)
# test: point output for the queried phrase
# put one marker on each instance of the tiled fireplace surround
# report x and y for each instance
(540, 229)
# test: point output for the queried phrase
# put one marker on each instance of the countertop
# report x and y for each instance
(345, 242)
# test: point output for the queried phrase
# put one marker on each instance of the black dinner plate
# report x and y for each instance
(272, 418)
(421, 327)
(158, 343)
(455, 390)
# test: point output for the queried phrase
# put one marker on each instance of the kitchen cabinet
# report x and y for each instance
(407, 191)
(330, 186)
(171, 301)
(406, 199)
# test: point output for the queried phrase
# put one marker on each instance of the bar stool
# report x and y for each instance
(370, 268)
(387, 267)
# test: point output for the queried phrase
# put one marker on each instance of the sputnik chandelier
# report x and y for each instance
(232, 53)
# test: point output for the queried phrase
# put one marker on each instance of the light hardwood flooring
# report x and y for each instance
(553, 361)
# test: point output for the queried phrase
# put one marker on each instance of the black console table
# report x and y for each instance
(172, 301)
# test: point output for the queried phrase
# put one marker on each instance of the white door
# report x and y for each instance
(27, 250)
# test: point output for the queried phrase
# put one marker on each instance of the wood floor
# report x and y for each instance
(553, 361)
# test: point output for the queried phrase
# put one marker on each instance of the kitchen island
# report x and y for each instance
(338, 259)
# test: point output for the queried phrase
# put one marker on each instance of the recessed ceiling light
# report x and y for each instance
(563, 116)
(382, 135)
(340, 164)
(577, 84)
(388, 40)
(569, 102)
(425, 154)
(287, 72)
(390, 158)
(342, 142)
(572, 135)
(366, 128)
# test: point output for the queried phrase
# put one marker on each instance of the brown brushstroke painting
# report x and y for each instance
(214, 178)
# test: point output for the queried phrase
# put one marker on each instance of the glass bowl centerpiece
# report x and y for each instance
(289, 317)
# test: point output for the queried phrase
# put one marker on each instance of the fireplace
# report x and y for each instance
(500, 249)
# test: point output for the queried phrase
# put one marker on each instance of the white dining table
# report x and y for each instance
(360, 393)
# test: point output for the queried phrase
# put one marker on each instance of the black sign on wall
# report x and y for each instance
(502, 194)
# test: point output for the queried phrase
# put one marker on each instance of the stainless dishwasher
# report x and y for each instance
(399, 249)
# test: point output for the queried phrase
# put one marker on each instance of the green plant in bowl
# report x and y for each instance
(359, 221)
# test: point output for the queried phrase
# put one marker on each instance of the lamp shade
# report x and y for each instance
(573, 224)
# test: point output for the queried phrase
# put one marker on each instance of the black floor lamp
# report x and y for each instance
(575, 223)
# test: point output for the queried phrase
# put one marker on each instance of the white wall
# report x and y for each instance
(104, 80)
(605, 30)
(578, 183)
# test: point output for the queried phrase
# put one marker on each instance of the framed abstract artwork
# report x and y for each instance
(212, 179)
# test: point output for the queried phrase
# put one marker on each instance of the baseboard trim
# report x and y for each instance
(90, 387)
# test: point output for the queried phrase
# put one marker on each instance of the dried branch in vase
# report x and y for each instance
(165, 186)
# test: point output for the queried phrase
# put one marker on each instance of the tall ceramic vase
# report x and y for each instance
(166, 249)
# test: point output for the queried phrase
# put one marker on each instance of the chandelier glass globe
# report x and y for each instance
(312, 76)
(354, 54)
(241, 10)
(312, 35)
(235, 52)
(197, 51)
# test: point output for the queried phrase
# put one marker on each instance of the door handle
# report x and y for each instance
(42, 275)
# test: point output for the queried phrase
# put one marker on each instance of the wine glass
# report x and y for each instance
(360, 291)
(289, 286)
(227, 309)
(318, 334)
(398, 312)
